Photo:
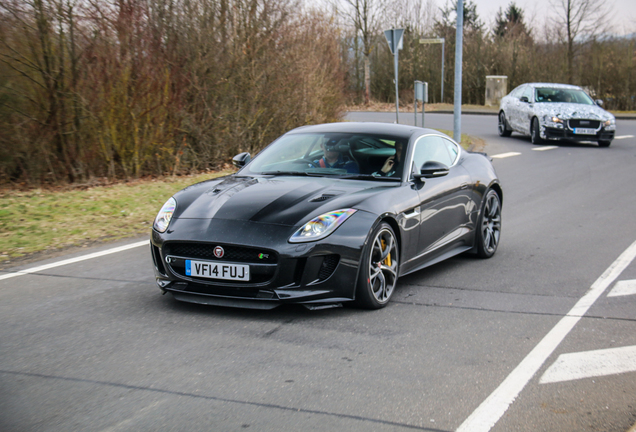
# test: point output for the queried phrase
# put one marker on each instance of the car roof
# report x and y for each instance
(372, 128)
(555, 85)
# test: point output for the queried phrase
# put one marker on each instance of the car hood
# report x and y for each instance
(566, 111)
(278, 200)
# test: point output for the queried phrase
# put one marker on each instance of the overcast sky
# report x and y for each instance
(623, 16)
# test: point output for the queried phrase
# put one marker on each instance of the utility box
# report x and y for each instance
(496, 88)
(421, 91)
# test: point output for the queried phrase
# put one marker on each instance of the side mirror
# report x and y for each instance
(241, 159)
(599, 102)
(524, 99)
(432, 169)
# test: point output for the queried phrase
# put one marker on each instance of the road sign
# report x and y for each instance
(394, 37)
(432, 41)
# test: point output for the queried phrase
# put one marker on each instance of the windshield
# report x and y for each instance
(563, 96)
(346, 155)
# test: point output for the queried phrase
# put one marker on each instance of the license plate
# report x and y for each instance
(584, 131)
(212, 270)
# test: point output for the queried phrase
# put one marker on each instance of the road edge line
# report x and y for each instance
(73, 260)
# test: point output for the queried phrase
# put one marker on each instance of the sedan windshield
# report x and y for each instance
(346, 155)
(562, 95)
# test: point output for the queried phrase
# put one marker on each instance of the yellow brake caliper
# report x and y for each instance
(387, 261)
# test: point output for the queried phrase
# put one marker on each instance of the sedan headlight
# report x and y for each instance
(610, 124)
(321, 226)
(165, 215)
(556, 120)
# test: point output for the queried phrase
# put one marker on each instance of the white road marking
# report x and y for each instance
(623, 137)
(544, 148)
(74, 260)
(591, 364)
(623, 288)
(491, 410)
(505, 155)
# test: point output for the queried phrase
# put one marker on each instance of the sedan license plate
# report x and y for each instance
(584, 131)
(212, 270)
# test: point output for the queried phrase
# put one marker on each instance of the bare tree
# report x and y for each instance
(575, 19)
(366, 17)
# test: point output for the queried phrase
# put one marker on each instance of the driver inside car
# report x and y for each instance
(334, 159)
(392, 164)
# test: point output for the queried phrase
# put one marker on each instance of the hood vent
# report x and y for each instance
(323, 197)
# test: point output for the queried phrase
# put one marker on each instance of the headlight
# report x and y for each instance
(165, 215)
(321, 226)
(610, 122)
(556, 120)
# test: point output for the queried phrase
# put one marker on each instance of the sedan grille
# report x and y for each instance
(580, 123)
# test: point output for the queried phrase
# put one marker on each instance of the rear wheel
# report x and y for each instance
(489, 225)
(503, 128)
(604, 143)
(535, 132)
(378, 268)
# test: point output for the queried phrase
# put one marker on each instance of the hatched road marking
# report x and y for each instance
(623, 288)
(505, 155)
(495, 405)
(591, 364)
(74, 260)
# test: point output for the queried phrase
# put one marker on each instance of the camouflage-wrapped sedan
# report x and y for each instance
(553, 112)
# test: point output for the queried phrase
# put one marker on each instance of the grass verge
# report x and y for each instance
(41, 220)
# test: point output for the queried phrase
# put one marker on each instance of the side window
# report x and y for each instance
(517, 92)
(528, 93)
(452, 149)
(432, 148)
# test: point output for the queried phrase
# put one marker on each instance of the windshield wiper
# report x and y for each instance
(369, 177)
(290, 173)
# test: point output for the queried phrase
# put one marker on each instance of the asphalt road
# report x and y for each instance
(539, 338)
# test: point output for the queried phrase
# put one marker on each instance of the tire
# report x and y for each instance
(503, 127)
(489, 225)
(604, 143)
(378, 268)
(535, 132)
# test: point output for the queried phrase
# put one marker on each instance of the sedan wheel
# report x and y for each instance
(379, 269)
(535, 135)
(489, 225)
(502, 127)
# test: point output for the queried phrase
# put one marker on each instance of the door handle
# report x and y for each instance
(412, 214)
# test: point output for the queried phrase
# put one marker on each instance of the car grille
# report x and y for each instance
(232, 253)
(262, 261)
(580, 123)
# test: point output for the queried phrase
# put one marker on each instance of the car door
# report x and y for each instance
(444, 202)
(526, 110)
(513, 107)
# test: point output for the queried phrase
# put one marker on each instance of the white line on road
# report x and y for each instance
(491, 410)
(73, 260)
(505, 155)
(544, 148)
(591, 364)
(623, 288)
(623, 137)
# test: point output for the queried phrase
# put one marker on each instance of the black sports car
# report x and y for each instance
(327, 214)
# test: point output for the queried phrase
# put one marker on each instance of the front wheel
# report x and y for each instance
(378, 268)
(535, 132)
(503, 128)
(489, 225)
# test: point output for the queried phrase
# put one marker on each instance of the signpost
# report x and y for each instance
(443, 42)
(457, 111)
(421, 93)
(394, 38)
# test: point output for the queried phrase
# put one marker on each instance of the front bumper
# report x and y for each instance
(567, 132)
(315, 273)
